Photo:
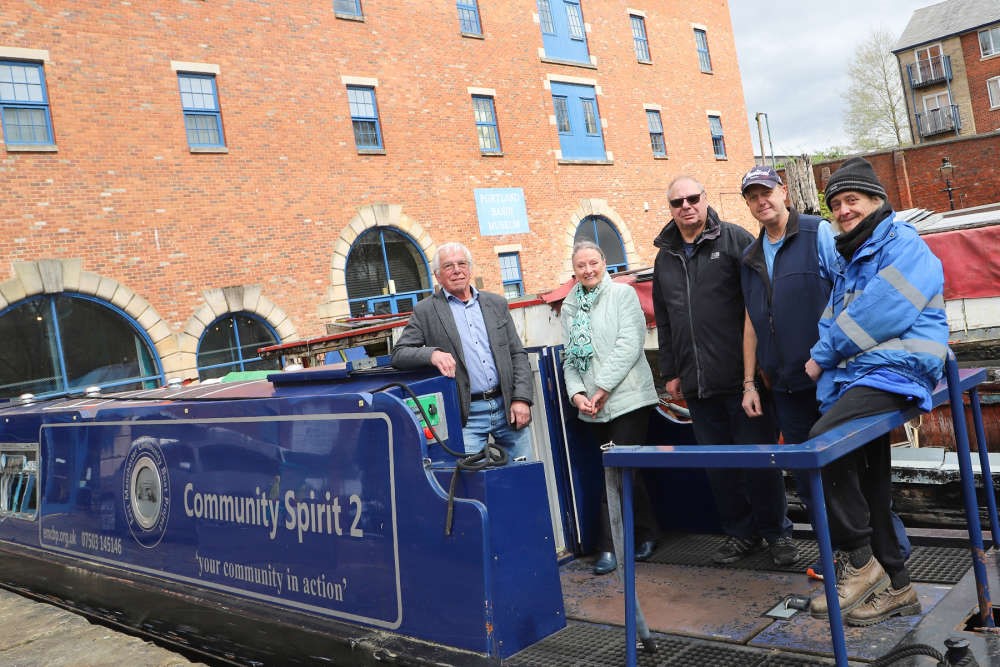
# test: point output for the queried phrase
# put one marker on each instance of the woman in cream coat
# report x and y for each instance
(608, 378)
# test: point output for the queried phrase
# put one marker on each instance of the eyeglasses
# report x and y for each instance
(454, 266)
(690, 199)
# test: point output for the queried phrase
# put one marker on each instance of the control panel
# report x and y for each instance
(433, 407)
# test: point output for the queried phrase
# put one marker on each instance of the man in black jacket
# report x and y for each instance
(700, 319)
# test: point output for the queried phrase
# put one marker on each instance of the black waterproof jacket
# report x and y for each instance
(699, 310)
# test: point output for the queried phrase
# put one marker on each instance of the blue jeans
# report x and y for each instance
(750, 501)
(489, 417)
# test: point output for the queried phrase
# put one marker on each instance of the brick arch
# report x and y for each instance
(221, 301)
(374, 215)
(599, 207)
(53, 276)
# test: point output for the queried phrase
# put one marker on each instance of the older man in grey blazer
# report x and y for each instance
(468, 334)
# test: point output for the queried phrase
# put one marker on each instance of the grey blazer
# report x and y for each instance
(432, 327)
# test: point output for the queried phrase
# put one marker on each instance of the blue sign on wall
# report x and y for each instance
(501, 211)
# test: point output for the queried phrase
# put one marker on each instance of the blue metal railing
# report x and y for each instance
(811, 457)
(929, 72)
(939, 121)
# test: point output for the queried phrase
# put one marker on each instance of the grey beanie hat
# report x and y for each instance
(855, 174)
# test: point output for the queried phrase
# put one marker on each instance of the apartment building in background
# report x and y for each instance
(949, 59)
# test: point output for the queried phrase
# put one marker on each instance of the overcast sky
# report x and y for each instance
(794, 56)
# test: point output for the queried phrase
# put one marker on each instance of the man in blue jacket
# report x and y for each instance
(700, 321)
(786, 276)
(882, 343)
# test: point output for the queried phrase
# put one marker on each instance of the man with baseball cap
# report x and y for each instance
(786, 276)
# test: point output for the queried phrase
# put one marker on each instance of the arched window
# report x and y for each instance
(599, 229)
(386, 273)
(230, 343)
(60, 344)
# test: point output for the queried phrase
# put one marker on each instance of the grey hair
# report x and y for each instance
(446, 249)
(684, 177)
(587, 245)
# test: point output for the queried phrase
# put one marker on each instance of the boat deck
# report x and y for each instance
(703, 615)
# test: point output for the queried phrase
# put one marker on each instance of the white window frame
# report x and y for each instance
(993, 92)
(993, 35)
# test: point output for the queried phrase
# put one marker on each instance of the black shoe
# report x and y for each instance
(783, 551)
(735, 548)
(606, 562)
(645, 550)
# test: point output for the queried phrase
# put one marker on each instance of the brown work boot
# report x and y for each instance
(854, 585)
(884, 605)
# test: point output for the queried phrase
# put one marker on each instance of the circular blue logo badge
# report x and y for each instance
(146, 491)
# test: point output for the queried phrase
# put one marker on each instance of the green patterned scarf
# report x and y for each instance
(580, 347)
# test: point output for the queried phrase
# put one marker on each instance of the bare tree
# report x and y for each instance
(876, 110)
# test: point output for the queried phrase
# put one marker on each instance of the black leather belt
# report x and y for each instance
(484, 395)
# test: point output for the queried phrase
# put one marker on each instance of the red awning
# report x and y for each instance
(971, 259)
(638, 280)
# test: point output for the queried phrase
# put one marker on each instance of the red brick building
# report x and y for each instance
(191, 167)
(913, 178)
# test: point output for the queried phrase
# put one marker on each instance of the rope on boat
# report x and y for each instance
(491, 455)
(612, 486)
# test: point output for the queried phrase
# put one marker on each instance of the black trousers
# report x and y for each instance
(751, 501)
(858, 487)
(630, 428)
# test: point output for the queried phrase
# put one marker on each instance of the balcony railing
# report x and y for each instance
(928, 72)
(939, 121)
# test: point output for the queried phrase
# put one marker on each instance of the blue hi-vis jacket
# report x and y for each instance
(885, 325)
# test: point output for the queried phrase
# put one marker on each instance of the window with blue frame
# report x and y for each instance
(704, 58)
(574, 20)
(202, 117)
(639, 38)
(60, 344)
(545, 17)
(718, 139)
(486, 123)
(564, 33)
(347, 7)
(230, 344)
(589, 107)
(468, 17)
(578, 121)
(655, 123)
(560, 103)
(599, 230)
(510, 274)
(364, 117)
(24, 105)
(385, 273)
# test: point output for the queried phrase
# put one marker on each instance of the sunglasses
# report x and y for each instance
(690, 199)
